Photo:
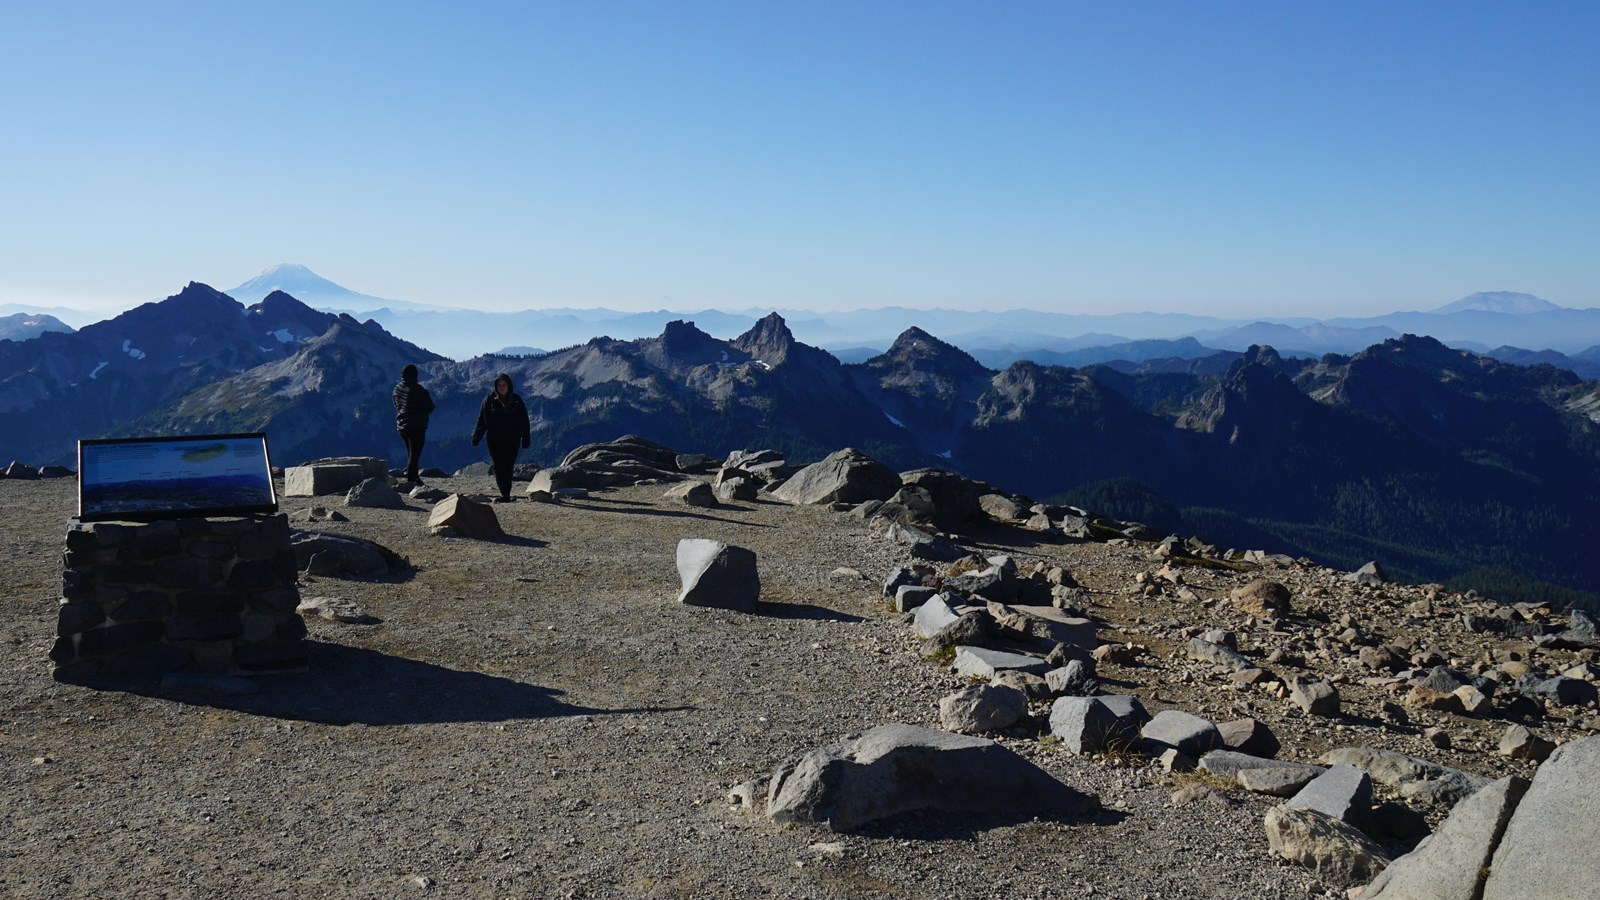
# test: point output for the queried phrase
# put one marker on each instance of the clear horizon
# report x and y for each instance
(1236, 160)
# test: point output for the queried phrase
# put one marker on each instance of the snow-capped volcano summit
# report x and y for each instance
(1509, 302)
(313, 290)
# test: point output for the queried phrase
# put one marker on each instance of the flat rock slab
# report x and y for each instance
(1343, 792)
(1060, 628)
(321, 480)
(1549, 847)
(1453, 861)
(911, 596)
(981, 662)
(1216, 654)
(718, 575)
(932, 617)
(1276, 782)
(335, 609)
(1229, 763)
(1189, 734)
(895, 769)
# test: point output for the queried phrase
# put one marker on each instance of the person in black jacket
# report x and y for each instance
(503, 418)
(412, 404)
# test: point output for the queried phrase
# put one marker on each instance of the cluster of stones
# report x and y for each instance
(1022, 640)
(211, 595)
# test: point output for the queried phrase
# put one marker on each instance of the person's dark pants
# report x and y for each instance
(505, 458)
(413, 440)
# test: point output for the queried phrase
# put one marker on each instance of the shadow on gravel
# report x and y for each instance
(943, 826)
(351, 685)
(516, 540)
(803, 611)
(637, 510)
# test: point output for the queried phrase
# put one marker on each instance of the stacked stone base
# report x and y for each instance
(207, 595)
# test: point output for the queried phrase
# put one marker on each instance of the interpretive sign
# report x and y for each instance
(170, 477)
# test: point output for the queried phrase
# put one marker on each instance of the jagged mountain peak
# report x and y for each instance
(279, 300)
(769, 330)
(769, 339)
(916, 349)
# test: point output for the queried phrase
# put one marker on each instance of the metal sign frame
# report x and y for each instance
(150, 478)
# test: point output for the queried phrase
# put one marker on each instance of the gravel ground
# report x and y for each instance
(538, 716)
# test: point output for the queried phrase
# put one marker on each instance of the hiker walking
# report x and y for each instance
(503, 419)
(412, 404)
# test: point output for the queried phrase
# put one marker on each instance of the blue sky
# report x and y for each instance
(1225, 158)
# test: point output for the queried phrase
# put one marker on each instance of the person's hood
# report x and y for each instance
(510, 385)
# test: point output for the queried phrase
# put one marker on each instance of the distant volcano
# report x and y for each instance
(313, 290)
(1509, 302)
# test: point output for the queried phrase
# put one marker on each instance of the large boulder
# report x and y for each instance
(1549, 846)
(1087, 725)
(1453, 862)
(1581, 632)
(628, 449)
(321, 553)
(374, 493)
(464, 517)
(847, 476)
(896, 769)
(562, 477)
(1262, 598)
(956, 498)
(1002, 507)
(692, 493)
(718, 575)
(982, 707)
(1336, 852)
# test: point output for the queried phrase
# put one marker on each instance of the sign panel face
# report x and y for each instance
(172, 477)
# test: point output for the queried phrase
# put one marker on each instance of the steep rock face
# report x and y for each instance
(1070, 429)
(1448, 397)
(330, 398)
(925, 386)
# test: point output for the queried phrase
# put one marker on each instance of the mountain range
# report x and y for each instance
(1478, 322)
(1432, 459)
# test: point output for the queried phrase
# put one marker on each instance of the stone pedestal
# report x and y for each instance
(210, 595)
